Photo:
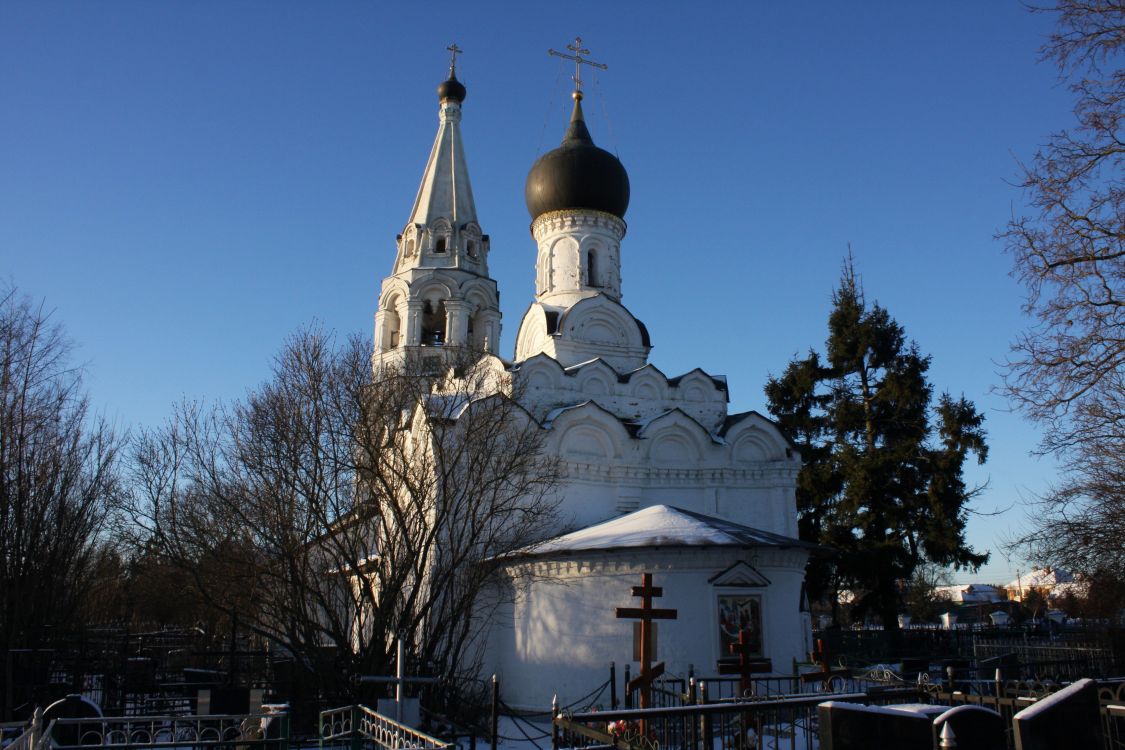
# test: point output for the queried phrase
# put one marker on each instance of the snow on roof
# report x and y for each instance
(1077, 588)
(554, 414)
(447, 406)
(1046, 577)
(973, 593)
(662, 526)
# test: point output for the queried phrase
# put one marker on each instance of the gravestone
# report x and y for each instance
(975, 727)
(851, 726)
(227, 701)
(73, 706)
(1070, 718)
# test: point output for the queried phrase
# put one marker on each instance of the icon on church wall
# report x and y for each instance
(738, 613)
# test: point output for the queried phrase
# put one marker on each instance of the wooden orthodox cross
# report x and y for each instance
(820, 657)
(748, 664)
(646, 614)
(579, 61)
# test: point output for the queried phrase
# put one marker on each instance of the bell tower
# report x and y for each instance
(439, 293)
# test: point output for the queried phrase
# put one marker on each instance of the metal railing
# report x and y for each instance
(35, 736)
(356, 726)
(774, 724)
(209, 732)
(1010, 697)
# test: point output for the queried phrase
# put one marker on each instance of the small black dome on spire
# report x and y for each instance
(451, 89)
(577, 174)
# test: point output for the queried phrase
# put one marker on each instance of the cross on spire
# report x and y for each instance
(579, 61)
(454, 50)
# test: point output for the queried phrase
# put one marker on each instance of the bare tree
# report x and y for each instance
(332, 511)
(57, 477)
(1068, 370)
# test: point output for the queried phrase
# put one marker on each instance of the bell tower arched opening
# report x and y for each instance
(392, 323)
(433, 323)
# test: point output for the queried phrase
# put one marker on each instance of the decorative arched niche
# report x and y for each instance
(674, 448)
(648, 384)
(675, 439)
(750, 448)
(586, 443)
(537, 375)
(586, 433)
(564, 265)
(594, 378)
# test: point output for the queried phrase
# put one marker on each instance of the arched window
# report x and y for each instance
(410, 247)
(592, 268)
(439, 246)
(471, 248)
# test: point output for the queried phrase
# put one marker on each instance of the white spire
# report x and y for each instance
(443, 231)
(445, 191)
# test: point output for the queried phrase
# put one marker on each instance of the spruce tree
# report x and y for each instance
(882, 482)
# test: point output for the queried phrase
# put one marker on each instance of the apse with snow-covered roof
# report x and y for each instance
(657, 476)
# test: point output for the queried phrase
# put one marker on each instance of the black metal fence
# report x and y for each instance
(126, 672)
(1100, 650)
(781, 722)
(776, 722)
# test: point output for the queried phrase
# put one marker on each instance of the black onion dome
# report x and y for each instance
(451, 89)
(577, 174)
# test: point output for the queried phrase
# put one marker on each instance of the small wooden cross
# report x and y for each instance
(646, 614)
(454, 50)
(579, 61)
(748, 664)
(820, 657)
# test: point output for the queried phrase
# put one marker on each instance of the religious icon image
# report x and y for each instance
(738, 613)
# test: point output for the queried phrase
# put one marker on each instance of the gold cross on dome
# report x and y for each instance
(579, 61)
(454, 50)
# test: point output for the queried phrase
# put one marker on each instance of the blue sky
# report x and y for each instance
(186, 183)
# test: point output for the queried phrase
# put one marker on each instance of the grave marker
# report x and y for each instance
(406, 709)
(646, 614)
(1070, 718)
(820, 656)
(748, 664)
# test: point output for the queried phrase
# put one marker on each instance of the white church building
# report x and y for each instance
(658, 477)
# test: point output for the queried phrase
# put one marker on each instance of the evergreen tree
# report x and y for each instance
(882, 482)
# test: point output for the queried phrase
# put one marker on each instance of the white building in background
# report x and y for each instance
(1051, 582)
(972, 593)
(658, 477)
